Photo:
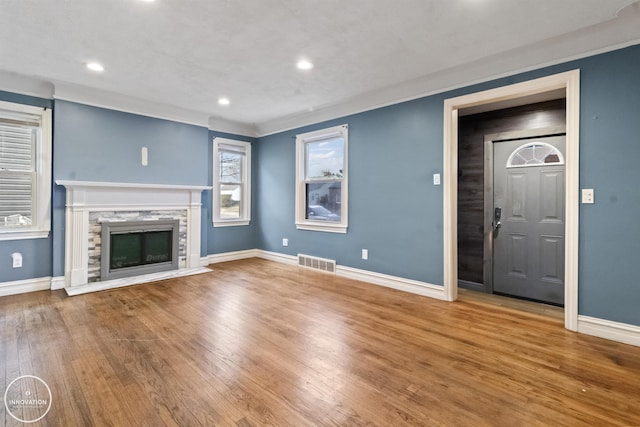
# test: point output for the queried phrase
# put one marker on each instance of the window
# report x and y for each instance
(535, 154)
(231, 182)
(321, 180)
(25, 171)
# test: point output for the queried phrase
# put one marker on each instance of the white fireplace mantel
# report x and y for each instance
(84, 197)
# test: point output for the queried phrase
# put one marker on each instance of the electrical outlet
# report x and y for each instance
(365, 254)
(587, 196)
(285, 242)
(17, 259)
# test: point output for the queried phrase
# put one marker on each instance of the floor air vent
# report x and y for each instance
(327, 265)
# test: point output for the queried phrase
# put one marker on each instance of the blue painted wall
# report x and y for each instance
(394, 209)
(609, 154)
(36, 253)
(396, 212)
(97, 144)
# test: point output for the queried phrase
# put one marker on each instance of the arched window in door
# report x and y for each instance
(535, 154)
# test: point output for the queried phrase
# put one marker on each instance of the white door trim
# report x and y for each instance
(570, 82)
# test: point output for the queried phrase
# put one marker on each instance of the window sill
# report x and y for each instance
(328, 228)
(23, 234)
(231, 223)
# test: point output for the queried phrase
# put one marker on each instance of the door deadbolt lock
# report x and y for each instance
(497, 216)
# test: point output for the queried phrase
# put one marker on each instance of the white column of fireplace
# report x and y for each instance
(84, 197)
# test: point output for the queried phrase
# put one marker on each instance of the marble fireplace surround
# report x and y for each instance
(87, 197)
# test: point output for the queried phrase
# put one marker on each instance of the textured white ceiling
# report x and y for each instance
(185, 54)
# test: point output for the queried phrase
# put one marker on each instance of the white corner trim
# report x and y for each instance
(228, 256)
(614, 331)
(57, 283)
(23, 286)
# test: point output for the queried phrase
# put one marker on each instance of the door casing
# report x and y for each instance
(570, 82)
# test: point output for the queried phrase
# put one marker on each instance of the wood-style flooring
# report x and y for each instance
(256, 343)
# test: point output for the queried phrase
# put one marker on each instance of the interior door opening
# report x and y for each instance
(518, 94)
(478, 136)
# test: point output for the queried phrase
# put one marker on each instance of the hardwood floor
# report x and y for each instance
(255, 343)
(513, 303)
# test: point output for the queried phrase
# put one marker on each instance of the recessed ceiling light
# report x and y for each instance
(95, 66)
(224, 101)
(303, 64)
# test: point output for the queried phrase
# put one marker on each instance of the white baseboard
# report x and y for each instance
(614, 331)
(23, 286)
(250, 253)
(399, 283)
(394, 282)
(228, 256)
(57, 283)
(278, 257)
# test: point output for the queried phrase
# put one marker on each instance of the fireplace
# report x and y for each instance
(90, 205)
(133, 248)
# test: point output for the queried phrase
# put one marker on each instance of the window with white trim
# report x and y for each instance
(25, 171)
(231, 182)
(321, 180)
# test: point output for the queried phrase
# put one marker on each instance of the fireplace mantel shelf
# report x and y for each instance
(94, 184)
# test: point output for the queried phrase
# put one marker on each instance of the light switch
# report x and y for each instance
(16, 258)
(145, 156)
(587, 196)
(436, 179)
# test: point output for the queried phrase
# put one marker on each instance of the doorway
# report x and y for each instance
(521, 93)
(475, 177)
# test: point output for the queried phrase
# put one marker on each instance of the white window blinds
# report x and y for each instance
(18, 136)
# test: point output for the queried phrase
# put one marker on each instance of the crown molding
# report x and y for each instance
(25, 85)
(229, 126)
(115, 101)
(620, 32)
